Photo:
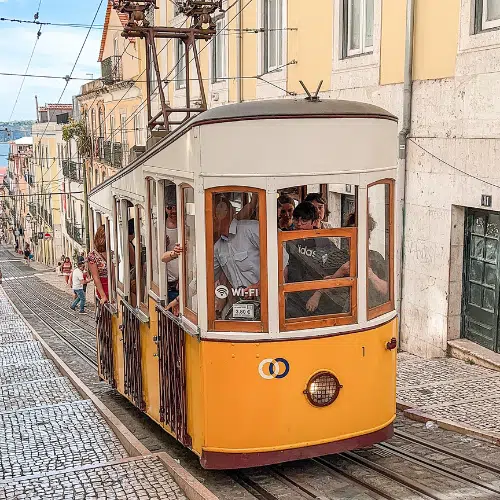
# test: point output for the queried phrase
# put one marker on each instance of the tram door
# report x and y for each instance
(481, 279)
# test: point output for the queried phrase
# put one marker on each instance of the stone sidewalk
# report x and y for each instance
(54, 444)
(454, 394)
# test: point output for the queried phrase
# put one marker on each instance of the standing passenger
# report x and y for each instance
(173, 248)
(98, 265)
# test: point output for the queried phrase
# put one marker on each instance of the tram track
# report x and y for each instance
(30, 298)
(406, 467)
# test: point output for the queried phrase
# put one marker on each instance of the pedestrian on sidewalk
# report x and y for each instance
(78, 281)
(27, 253)
(66, 269)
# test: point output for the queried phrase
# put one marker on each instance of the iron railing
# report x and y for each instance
(115, 154)
(74, 232)
(107, 151)
(111, 70)
(132, 356)
(105, 343)
(172, 359)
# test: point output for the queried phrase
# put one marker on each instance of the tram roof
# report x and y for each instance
(266, 109)
(291, 108)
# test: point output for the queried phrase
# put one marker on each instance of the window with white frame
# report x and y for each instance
(180, 69)
(487, 15)
(273, 25)
(358, 17)
(219, 52)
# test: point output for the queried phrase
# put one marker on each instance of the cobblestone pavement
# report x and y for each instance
(53, 444)
(452, 392)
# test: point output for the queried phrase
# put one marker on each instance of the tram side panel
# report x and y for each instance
(251, 411)
(118, 356)
(150, 363)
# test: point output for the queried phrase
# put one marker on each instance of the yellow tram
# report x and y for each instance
(281, 343)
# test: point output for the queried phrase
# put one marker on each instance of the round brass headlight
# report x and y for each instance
(322, 389)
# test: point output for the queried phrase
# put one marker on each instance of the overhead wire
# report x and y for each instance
(38, 35)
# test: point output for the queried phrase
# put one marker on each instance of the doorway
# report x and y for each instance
(480, 299)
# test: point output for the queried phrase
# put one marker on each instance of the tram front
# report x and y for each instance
(298, 333)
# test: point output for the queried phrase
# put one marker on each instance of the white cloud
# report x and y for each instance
(55, 54)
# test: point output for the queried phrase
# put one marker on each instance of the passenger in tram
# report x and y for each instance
(312, 259)
(131, 260)
(378, 277)
(286, 207)
(320, 203)
(173, 247)
(236, 250)
(98, 267)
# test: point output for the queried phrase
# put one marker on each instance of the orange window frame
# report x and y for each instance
(388, 306)
(190, 315)
(261, 326)
(152, 285)
(351, 281)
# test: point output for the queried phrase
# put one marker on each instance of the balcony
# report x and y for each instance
(72, 170)
(46, 216)
(30, 179)
(32, 209)
(74, 232)
(111, 70)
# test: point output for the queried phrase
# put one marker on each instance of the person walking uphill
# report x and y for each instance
(77, 282)
(66, 269)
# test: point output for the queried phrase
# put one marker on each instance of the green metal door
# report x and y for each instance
(481, 278)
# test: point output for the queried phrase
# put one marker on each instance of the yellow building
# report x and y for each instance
(109, 104)
(46, 195)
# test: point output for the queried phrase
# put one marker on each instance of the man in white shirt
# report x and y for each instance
(77, 283)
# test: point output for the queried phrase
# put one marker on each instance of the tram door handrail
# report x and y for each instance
(172, 360)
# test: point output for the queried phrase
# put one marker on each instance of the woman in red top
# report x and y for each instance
(66, 269)
(98, 266)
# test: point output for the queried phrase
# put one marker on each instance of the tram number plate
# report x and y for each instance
(244, 311)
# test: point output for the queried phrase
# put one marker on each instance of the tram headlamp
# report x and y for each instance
(322, 389)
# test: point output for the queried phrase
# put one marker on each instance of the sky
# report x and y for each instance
(55, 53)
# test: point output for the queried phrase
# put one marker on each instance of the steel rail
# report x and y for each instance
(65, 317)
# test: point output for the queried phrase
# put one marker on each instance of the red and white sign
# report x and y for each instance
(47, 236)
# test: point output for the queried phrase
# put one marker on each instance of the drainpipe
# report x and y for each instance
(403, 136)
(239, 54)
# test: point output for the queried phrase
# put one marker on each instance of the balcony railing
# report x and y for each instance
(74, 232)
(32, 208)
(111, 70)
(115, 154)
(72, 170)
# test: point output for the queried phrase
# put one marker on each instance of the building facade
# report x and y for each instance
(47, 194)
(19, 180)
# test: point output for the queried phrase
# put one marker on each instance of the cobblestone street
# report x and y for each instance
(53, 443)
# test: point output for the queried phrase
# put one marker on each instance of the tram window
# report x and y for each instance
(189, 228)
(171, 243)
(132, 244)
(121, 260)
(153, 231)
(142, 257)
(236, 254)
(380, 249)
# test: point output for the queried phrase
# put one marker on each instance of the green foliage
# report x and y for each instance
(77, 130)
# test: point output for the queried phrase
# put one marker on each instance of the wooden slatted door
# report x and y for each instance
(481, 279)
(132, 356)
(105, 344)
(172, 358)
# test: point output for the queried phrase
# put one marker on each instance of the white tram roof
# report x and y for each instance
(280, 137)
